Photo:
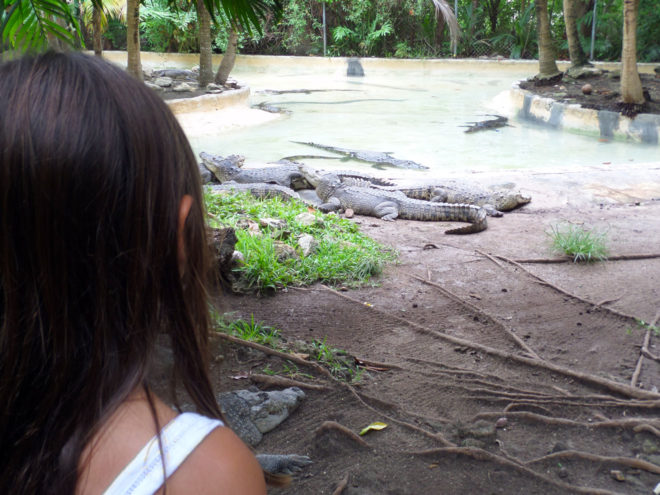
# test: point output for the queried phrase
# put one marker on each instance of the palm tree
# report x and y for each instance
(578, 57)
(631, 85)
(205, 53)
(548, 69)
(37, 24)
(134, 65)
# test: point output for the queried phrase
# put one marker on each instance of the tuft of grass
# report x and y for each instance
(579, 243)
(337, 361)
(344, 255)
(251, 331)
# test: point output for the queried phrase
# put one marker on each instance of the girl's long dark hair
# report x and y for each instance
(92, 168)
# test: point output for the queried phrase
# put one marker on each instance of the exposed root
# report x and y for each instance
(481, 313)
(622, 461)
(623, 257)
(375, 364)
(594, 380)
(342, 430)
(281, 381)
(482, 455)
(647, 428)
(524, 406)
(643, 352)
(341, 486)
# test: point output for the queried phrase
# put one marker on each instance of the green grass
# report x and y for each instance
(340, 364)
(579, 243)
(344, 255)
(248, 330)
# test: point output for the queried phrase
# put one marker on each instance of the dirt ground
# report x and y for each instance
(495, 372)
(604, 92)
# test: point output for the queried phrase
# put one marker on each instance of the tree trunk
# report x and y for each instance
(96, 28)
(578, 57)
(133, 38)
(228, 58)
(547, 65)
(205, 59)
(631, 86)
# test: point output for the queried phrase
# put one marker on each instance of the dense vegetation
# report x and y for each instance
(400, 28)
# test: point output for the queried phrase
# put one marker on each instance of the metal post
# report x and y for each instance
(325, 42)
(455, 14)
(593, 31)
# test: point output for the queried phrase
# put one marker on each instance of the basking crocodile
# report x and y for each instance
(285, 173)
(494, 202)
(376, 158)
(484, 125)
(389, 205)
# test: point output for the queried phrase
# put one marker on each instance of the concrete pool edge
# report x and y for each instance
(211, 102)
(607, 125)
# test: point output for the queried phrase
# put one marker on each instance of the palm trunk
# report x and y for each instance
(205, 60)
(96, 27)
(228, 58)
(631, 85)
(133, 38)
(547, 65)
(578, 57)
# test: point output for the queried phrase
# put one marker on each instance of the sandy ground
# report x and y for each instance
(495, 372)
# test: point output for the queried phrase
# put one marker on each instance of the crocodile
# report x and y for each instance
(285, 173)
(494, 202)
(389, 205)
(496, 123)
(376, 158)
(261, 190)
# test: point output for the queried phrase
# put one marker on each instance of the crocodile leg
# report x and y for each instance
(387, 210)
(332, 204)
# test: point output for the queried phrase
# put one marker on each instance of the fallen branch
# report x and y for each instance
(645, 348)
(281, 381)
(482, 455)
(604, 383)
(586, 456)
(623, 257)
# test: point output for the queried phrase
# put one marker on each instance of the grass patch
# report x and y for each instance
(579, 243)
(343, 256)
(248, 330)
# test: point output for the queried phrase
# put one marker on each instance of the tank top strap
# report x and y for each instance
(144, 474)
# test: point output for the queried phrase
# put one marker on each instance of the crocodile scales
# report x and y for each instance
(389, 205)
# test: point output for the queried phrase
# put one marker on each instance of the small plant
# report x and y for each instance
(337, 361)
(579, 243)
(648, 326)
(249, 330)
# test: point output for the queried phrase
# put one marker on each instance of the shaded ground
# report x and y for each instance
(493, 376)
(605, 92)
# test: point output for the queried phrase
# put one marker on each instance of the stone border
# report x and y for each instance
(644, 128)
(210, 102)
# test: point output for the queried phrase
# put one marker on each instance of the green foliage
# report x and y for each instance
(579, 243)
(251, 331)
(344, 255)
(521, 40)
(340, 364)
(28, 24)
(164, 29)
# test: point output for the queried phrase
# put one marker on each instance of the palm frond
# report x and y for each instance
(29, 24)
(443, 9)
(245, 14)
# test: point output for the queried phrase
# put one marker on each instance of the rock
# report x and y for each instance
(283, 251)
(617, 475)
(183, 88)
(501, 423)
(348, 213)
(153, 86)
(237, 258)
(583, 72)
(563, 472)
(163, 82)
(307, 244)
(587, 89)
(273, 223)
(269, 409)
(306, 219)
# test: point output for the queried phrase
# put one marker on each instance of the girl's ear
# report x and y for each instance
(184, 209)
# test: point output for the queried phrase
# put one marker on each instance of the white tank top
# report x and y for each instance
(144, 474)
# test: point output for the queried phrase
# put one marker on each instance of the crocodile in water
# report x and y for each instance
(496, 123)
(376, 158)
(389, 205)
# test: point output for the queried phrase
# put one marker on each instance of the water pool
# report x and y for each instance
(414, 110)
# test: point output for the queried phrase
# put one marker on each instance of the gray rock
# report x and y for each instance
(283, 251)
(183, 88)
(307, 244)
(306, 219)
(269, 409)
(163, 82)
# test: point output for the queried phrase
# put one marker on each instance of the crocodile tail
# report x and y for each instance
(477, 218)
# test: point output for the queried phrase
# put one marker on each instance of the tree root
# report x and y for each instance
(281, 381)
(623, 257)
(636, 424)
(481, 313)
(520, 406)
(542, 281)
(593, 380)
(341, 429)
(586, 456)
(341, 486)
(482, 455)
(643, 352)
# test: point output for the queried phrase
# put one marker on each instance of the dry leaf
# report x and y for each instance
(373, 426)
